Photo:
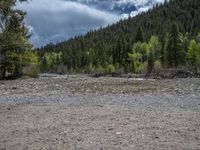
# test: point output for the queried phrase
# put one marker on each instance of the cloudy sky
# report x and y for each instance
(59, 20)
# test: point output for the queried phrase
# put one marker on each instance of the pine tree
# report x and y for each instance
(151, 60)
(174, 49)
(13, 37)
(163, 42)
(139, 35)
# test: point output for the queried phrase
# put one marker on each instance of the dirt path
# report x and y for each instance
(82, 113)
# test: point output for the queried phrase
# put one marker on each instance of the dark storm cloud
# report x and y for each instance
(58, 20)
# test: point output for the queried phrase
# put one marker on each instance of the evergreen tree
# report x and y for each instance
(163, 41)
(13, 38)
(174, 48)
(139, 35)
(151, 60)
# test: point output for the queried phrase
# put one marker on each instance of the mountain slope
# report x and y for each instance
(122, 34)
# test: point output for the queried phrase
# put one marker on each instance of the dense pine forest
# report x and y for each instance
(167, 36)
(164, 37)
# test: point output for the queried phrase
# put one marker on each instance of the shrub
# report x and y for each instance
(31, 71)
(157, 66)
(143, 68)
(100, 69)
(90, 68)
(110, 68)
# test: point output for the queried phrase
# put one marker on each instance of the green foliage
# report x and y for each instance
(100, 69)
(144, 55)
(175, 53)
(14, 45)
(110, 69)
(90, 69)
(139, 35)
(155, 47)
(135, 59)
(163, 44)
(173, 24)
(151, 60)
(51, 61)
(142, 49)
(157, 66)
(109, 44)
(11, 59)
(15, 62)
(29, 58)
(193, 54)
(143, 68)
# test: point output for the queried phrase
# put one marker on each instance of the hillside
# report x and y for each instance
(105, 44)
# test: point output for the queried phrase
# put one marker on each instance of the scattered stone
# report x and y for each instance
(118, 133)
(14, 88)
(79, 139)
(123, 114)
(110, 129)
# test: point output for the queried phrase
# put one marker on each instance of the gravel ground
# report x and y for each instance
(77, 112)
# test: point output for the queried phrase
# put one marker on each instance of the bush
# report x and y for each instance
(31, 71)
(142, 68)
(110, 69)
(90, 69)
(100, 69)
(136, 66)
(157, 66)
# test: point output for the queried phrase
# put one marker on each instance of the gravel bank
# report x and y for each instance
(82, 113)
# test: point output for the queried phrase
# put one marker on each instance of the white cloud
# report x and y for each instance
(58, 20)
(140, 10)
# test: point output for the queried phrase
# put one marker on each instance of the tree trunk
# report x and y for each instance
(17, 71)
(2, 73)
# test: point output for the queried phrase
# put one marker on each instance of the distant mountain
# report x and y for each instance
(124, 8)
(120, 6)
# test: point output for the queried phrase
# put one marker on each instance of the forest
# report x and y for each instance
(166, 36)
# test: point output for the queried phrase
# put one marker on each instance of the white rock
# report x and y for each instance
(118, 133)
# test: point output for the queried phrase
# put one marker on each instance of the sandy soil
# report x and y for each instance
(77, 112)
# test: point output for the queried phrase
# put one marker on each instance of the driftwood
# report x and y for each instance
(173, 73)
(162, 74)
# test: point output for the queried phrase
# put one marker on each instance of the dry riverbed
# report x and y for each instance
(77, 112)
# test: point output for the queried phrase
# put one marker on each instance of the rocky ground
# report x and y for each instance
(77, 112)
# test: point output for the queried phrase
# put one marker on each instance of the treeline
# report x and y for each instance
(16, 56)
(164, 37)
(169, 50)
